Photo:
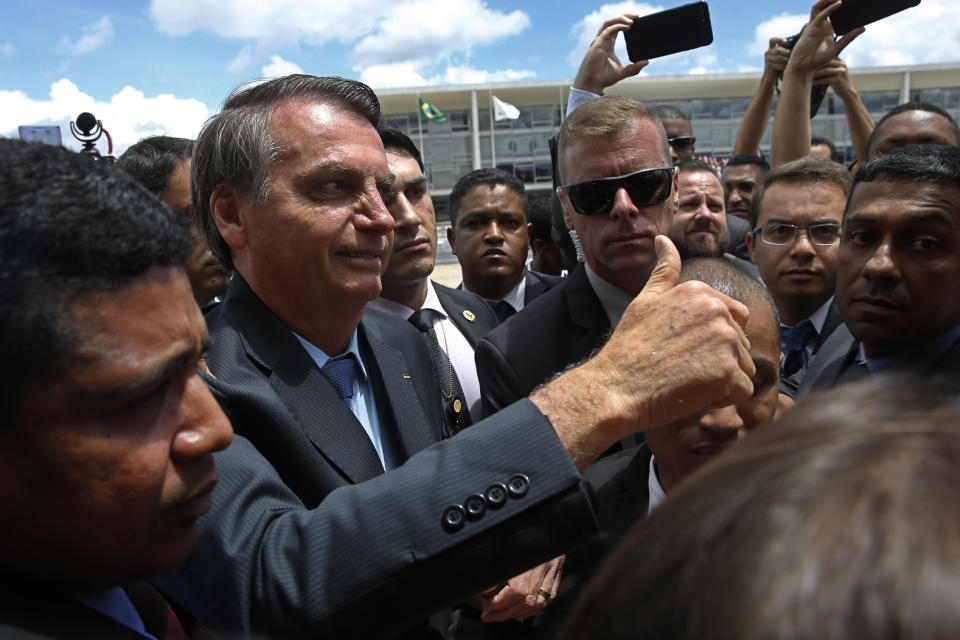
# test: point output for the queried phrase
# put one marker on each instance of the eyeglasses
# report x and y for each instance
(780, 233)
(646, 187)
(682, 143)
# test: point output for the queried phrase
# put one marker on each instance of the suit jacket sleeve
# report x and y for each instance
(380, 546)
(500, 384)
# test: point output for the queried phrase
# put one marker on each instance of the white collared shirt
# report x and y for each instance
(613, 299)
(453, 343)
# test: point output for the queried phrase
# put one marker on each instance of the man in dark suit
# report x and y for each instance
(597, 145)
(108, 436)
(459, 318)
(488, 234)
(899, 267)
(798, 208)
(290, 546)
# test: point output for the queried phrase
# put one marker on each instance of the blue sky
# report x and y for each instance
(163, 66)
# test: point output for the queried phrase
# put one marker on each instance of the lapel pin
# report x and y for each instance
(469, 315)
(406, 376)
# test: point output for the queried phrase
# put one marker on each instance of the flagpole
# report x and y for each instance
(420, 125)
(493, 136)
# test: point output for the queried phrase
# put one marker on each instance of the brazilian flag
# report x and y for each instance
(430, 112)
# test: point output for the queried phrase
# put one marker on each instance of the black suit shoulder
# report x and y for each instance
(472, 315)
(538, 284)
(560, 328)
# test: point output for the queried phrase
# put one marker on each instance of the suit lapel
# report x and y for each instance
(307, 394)
(832, 321)
(585, 311)
(455, 308)
(397, 404)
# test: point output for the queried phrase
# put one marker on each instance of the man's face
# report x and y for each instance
(207, 277)
(899, 264)
(490, 236)
(801, 275)
(109, 464)
(414, 223)
(738, 183)
(618, 246)
(683, 446)
(700, 225)
(322, 234)
(678, 128)
(910, 128)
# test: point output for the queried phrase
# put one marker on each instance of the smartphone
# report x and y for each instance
(670, 31)
(856, 13)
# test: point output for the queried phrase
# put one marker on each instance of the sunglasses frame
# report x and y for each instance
(615, 180)
(683, 145)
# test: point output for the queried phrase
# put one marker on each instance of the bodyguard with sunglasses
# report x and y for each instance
(618, 193)
(797, 211)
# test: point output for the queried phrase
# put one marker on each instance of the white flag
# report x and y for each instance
(504, 110)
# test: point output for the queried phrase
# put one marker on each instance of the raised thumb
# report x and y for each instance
(667, 270)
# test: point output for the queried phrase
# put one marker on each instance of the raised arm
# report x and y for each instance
(815, 48)
(758, 112)
(859, 120)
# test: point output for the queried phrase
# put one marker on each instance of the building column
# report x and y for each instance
(475, 130)
(905, 88)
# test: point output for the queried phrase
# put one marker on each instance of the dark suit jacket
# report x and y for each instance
(834, 341)
(293, 547)
(948, 366)
(739, 228)
(537, 285)
(561, 328)
(456, 301)
(30, 612)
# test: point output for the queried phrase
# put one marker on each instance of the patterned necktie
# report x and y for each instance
(793, 343)
(454, 406)
(341, 372)
(503, 309)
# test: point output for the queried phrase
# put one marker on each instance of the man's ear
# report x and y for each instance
(565, 207)
(750, 240)
(452, 239)
(226, 208)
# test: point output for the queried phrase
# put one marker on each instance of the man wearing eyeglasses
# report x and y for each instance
(619, 192)
(797, 211)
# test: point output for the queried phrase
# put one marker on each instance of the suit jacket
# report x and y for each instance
(307, 536)
(456, 301)
(833, 342)
(537, 285)
(31, 612)
(561, 328)
(739, 229)
(947, 366)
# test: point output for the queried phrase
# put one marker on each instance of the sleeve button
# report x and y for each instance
(453, 518)
(518, 485)
(496, 495)
(475, 506)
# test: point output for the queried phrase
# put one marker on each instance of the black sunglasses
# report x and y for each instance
(645, 187)
(682, 143)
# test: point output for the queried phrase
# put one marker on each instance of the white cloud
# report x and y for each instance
(698, 71)
(380, 33)
(7, 48)
(128, 116)
(780, 26)
(92, 37)
(410, 74)
(585, 30)
(428, 29)
(280, 67)
(926, 33)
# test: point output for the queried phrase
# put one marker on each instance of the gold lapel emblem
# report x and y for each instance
(469, 315)
(457, 405)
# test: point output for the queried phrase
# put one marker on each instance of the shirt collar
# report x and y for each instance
(321, 358)
(613, 299)
(818, 318)
(432, 301)
(655, 491)
(515, 296)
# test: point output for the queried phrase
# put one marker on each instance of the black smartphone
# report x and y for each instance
(670, 31)
(856, 13)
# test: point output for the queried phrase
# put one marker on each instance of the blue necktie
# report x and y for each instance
(503, 309)
(341, 372)
(793, 343)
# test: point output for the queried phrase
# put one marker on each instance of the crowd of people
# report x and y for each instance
(240, 407)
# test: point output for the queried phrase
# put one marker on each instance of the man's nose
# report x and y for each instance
(623, 206)
(722, 419)
(203, 427)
